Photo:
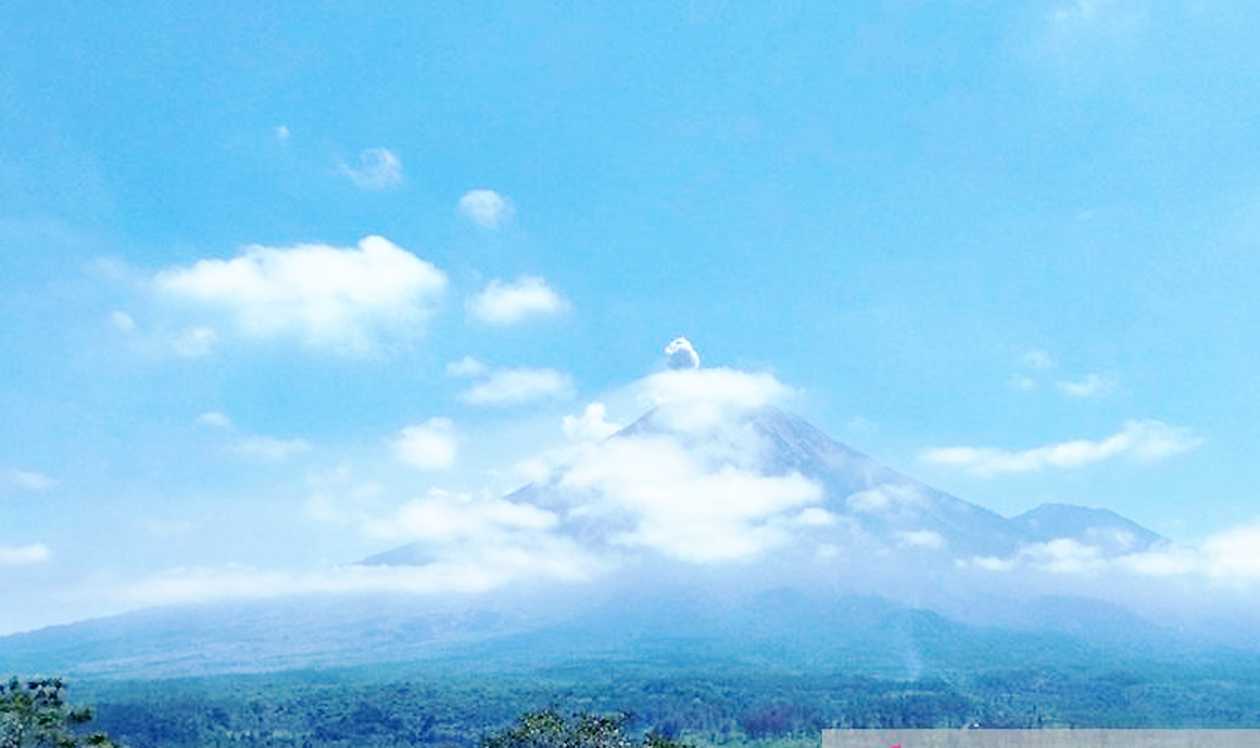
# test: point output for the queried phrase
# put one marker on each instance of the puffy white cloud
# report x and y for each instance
(1145, 441)
(1233, 554)
(517, 386)
(700, 399)
(592, 425)
(24, 555)
(347, 299)
(431, 445)
(466, 367)
(214, 419)
(815, 517)
(375, 169)
(1092, 385)
(486, 208)
(27, 480)
(681, 354)
(676, 502)
(270, 448)
(504, 303)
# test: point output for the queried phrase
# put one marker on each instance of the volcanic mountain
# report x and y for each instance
(869, 553)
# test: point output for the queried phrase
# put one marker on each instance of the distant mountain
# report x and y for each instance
(880, 506)
(1098, 527)
(869, 608)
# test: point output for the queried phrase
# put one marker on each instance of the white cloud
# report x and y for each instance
(1093, 385)
(1037, 359)
(195, 342)
(270, 449)
(1058, 556)
(281, 132)
(501, 303)
(345, 299)
(681, 354)
(518, 386)
(122, 321)
(27, 480)
(486, 208)
(431, 445)
(928, 539)
(466, 367)
(1145, 441)
(1231, 556)
(24, 555)
(215, 419)
(474, 546)
(700, 399)
(375, 169)
(592, 425)
(886, 498)
(671, 500)
(815, 517)
(443, 517)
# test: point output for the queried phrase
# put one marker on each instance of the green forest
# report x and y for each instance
(448, 706)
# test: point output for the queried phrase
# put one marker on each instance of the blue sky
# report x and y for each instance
(987, 227)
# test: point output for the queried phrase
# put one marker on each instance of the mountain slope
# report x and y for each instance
(896, 539)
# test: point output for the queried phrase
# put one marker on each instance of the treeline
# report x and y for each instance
(318, 710)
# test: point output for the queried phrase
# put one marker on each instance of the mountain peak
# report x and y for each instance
(1090, 525)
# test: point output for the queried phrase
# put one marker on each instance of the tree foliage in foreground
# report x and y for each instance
(34, 714)
(551, 729)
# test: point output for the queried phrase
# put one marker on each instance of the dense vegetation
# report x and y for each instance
(383, 706)
(34, 714)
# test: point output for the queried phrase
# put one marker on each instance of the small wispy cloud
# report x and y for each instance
(24, 555)
(270, 448)
(195, 342)
(466, 367)
(375, 169)
(486, 208)
(121, 321)
(507, 303)
(1092, 385)
(27, 480)
(215, 419)
(518, 386)
(281, 132)
(1145, 441)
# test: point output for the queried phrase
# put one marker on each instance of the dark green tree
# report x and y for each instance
(551, 729)
(34, 714)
